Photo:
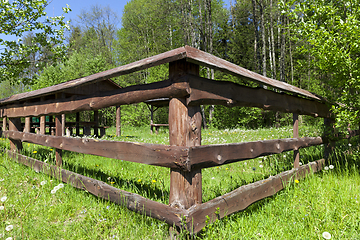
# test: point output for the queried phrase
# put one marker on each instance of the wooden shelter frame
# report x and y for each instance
(184, 155)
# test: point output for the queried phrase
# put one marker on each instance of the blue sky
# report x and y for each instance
(55, 9)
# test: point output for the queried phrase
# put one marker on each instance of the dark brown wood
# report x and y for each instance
(58, 133)
(205, 59)
(219, 154)
(329, 135)
(184, 130)
(241, 198)
(296, 135)
(42, 125)
(152, 154)
(118, 121)
(152, 119)
(96, 125)
(128, 95)
(15, 125)
(27, 124)
(132, 201)
(77, 124)
(209, 92)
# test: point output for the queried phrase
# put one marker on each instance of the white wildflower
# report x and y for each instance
(326, 168)
(53, 191)
(326, 235)
(2, 207)
(9, 228)
(43, 183)
(61, 185)
(9, 238)
(260, 166)
(3, 199)
(57, 188)
(331, 166)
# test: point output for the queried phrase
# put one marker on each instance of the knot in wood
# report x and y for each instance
(219, 157)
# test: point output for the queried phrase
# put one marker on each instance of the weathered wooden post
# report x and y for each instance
(118, 121)
(63, 121)
(96, 123)
(184, 130)
(328, 136)
(296, 135)
(77, 124)
(27, 124)
(15, 125)
(42, 125)
(58, 132)
(4, 126)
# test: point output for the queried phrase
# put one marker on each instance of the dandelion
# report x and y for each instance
(226, 168)
(34, 151)
(50, 149)
(28, 144)
(296, 181)
(9, 228)
(154, 181)
(326, 168)
(139, 180)
(331, 166)
(2, 207)
(112, 182)
(326, 235)
(3, 199)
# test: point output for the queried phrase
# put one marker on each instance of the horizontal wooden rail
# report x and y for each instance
(214, 155)
(132, 201)
(152, 154)
(128, 95)
(205, 91)
(242, 197)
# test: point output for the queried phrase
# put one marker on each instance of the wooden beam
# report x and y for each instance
(184, 130)
(152, 154)
(4, 127)
(77, 124)
(296, 135)
(209, 92)
(132, 201)
(128, 95)
(215, 155)
(15, 125)
(241, 198)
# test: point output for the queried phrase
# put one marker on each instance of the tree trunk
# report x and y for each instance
(263, 38)
(282, 51)
(272, 40)
(257, 39)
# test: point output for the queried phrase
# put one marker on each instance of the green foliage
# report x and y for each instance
(20, 17)
(331, 31)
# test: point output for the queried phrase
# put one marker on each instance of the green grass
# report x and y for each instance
(327, 201)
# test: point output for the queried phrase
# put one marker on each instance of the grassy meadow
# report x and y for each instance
(35, 206)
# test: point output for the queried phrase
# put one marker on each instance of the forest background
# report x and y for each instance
(312, 44)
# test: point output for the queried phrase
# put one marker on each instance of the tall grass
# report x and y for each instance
(323, 202)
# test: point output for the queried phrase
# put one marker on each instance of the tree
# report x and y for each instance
(330, 30)
(18, 18)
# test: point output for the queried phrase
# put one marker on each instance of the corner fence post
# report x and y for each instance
(184, 130)
(15, 125)
(328, 135)
(296, 135)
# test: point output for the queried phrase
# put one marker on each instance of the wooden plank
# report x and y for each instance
(128, 95)
(296, 135)
(205, 59)
(42, 125)
(184, 130)
(209, 92)
(152, 154)
(219, 154)
(15, 125)
(131, 201)
(159, 59)
(242, 197)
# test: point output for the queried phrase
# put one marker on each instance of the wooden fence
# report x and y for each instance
(184, 155)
